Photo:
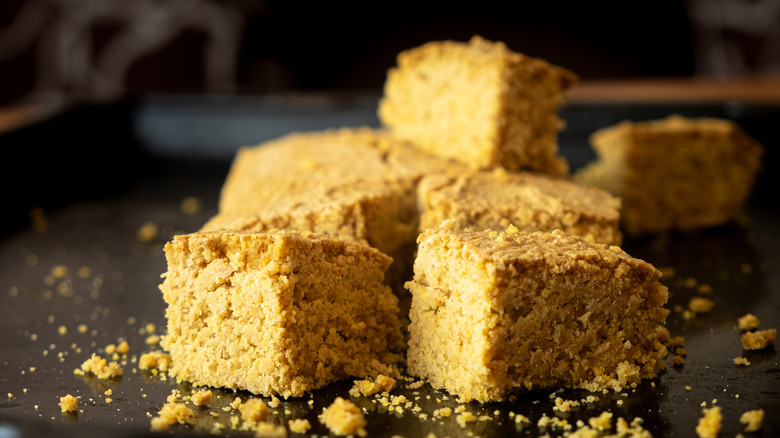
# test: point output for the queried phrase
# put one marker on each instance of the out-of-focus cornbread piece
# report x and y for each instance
(676, 173)
(478, 103)
(277, 312)
(355, 182)
(493, 312)
(529, 201)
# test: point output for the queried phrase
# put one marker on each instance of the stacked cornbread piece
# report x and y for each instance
(283, 292)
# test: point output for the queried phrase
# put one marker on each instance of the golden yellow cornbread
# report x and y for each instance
(676, 173)
(478, 103)
(495, 312)
(529, 201)
(278, 312)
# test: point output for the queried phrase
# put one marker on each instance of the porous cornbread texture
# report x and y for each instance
(677, 173)
(277, 312)
(529, 201)
(493, 312)
(357, 183)
(478, 103)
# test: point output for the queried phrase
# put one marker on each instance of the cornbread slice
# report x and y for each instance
(478, 103)
(676, 173)
(493, 312)
(277, 312)
(529, 201)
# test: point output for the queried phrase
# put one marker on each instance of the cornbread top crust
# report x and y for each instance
(478, 103)
(529, 201)
(496, 252)
(675, 173)
(305, 167)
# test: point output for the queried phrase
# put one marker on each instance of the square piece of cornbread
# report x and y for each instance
(478, 103)
(494, 312)
(529, 201)
(676, 173)
(277, 312)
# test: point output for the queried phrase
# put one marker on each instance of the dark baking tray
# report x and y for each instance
(99, 172)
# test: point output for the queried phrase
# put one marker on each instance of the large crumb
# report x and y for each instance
(700, 305)
(155, 360)
(343, 417)
(299, 425)
(748, 322)
(254, 410)
(69, 403)
(100, 367)
(202, 397)
(752, 420)
(758, 340)
(366, 388)
(170, 414)
(710, 424)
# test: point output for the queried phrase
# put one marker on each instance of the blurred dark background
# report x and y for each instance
(98, 50)
(98, 95)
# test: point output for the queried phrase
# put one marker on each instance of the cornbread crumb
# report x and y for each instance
(464, 418)
(366, 388)
(522, 419)
(678, 360)
(343, 417)
(758, 340)
(710, 424)
(700, 305)
(170, 414)
(62, 330)
(748, 322)
(752, 420)
(123, 347)
(147, 232)
(442, 412)
(741, 361)
(69, 403)
(155, 360)
(100, 367)
(562, 405)
(191, 205)
(602, 422)
(274, 402)
(202, 397)
(254, 410)
(663, 334)
(415, 385)
(299, 425)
